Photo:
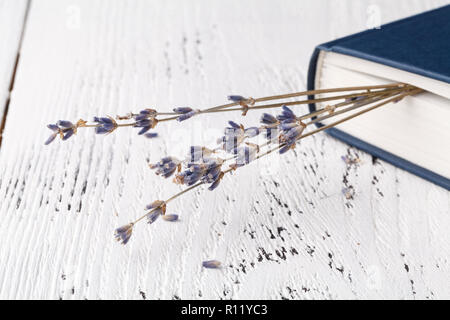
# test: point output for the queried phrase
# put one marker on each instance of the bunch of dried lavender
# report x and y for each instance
(236, 147)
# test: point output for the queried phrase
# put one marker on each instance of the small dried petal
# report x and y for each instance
(286, 114)
(151, 135)
(285, 148)
(51, 138)
(64, 124)
(234, 124)
(211, 264)
(236, 98)
(101, 130)
(268, 119)
(143, 130)
(170, 217)
(68, 134)
(53, 127)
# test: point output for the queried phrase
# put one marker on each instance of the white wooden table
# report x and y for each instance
(284, 233)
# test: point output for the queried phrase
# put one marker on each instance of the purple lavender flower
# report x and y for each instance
(290, 137)
(211, 264)
(123, 234)
(144, 114)
(66, 128)
(187, 115)
(286, 114)
(236, 98)
(158, 208)
(166, 167)
(234, 125)
(268, 119)
(215, 184)
(145, 124)
(152, 216)
(64, 124)
(182, 110)
(55, 130)
(155, 204)
(105, 125)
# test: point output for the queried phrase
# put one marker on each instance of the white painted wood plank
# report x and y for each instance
(282, 228)
(12, 15)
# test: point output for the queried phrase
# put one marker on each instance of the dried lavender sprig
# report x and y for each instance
(146, 119)
(123, 234)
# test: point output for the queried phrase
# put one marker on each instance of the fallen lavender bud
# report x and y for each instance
(151, 135)
(211, 264)
(170, 217)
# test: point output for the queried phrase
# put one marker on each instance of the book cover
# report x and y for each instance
(419, 45)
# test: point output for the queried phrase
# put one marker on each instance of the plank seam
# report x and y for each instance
(13, 74)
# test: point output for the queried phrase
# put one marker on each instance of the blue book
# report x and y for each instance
(413, 134)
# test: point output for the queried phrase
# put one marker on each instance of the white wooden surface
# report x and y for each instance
(282, 231)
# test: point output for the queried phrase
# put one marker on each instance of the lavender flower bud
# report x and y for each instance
(268, 119)
(234, 125)
(170, 217)
(236, 98)
(155, 204)
(68, 134)
(182, 110)
(151, 135)
(285, 149)
(51, 138)
(187, 115)
(286, 114)
(152, 216)
(105, 125)
(64, 124)
(211, 264)
(123, 234)
(53, 127)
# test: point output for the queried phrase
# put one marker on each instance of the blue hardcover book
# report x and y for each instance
(413, 134)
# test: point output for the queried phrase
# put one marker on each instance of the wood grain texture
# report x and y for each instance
(282, 226)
